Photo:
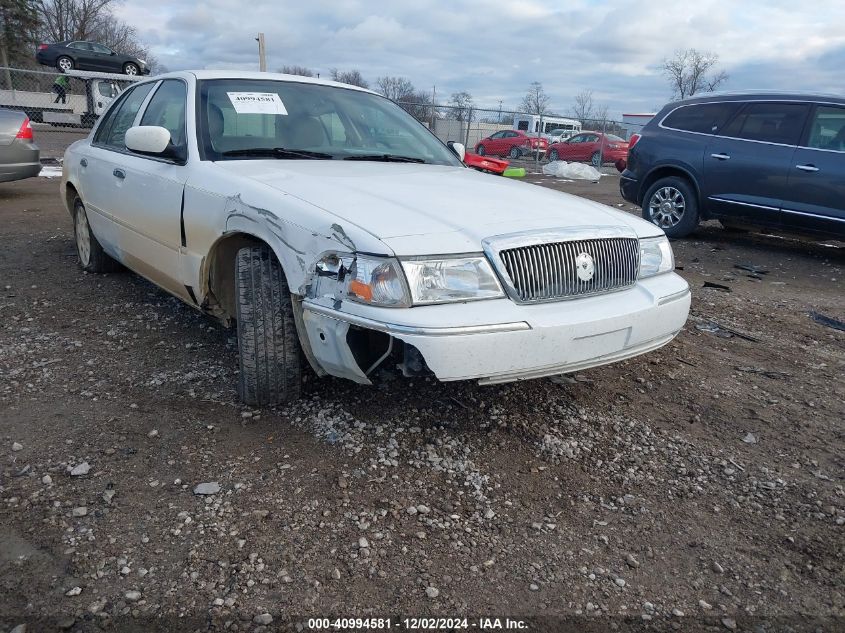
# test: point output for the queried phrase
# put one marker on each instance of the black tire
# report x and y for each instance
(268, 345)
(595, 160)
(92, 257)
(514, 153)
(131, 69)
(553, 156)
(65, 63)
(679, 218)
(480, 150)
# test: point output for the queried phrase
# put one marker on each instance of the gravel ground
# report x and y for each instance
(699, 487)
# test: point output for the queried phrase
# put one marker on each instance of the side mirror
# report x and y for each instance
(458, 148)
(153, 141)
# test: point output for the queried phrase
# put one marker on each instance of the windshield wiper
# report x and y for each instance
(386, 158)
(278, 152)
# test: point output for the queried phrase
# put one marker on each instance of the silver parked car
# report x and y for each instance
(19, 155)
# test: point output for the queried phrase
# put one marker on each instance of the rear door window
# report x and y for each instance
(827, 129)
(780, 123)
(704, 118)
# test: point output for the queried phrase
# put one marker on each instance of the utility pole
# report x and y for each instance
(433, 101)
(262, 53)
(499, 120)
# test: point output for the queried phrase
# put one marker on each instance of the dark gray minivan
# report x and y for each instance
(748, 159)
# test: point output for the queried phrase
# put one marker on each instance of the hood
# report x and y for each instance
(424, 209)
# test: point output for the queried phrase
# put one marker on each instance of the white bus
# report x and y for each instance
(555, 126)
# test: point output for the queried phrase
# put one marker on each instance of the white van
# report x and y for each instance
(557, 127)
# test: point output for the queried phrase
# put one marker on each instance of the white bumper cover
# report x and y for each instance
(500, 341)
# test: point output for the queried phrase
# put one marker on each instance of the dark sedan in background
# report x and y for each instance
(19, 155)
(81, 55)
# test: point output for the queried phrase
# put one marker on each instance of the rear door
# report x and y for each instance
(746, 168)
(815, 199)
(84, 56)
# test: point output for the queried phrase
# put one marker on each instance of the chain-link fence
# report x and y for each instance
(62, 107)
(525, 137)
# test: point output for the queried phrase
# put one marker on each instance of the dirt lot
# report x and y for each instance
(697, 487)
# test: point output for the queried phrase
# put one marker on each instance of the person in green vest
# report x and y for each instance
(60, 88)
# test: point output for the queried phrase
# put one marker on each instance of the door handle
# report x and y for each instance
(83, 162)
(807, 167)
(720, 156)
(119, 173)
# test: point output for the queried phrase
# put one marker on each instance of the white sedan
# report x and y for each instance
(330, 225)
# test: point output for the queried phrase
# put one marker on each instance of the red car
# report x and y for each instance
(593, 147)
(511, 143)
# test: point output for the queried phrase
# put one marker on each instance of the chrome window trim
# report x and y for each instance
(744, 101)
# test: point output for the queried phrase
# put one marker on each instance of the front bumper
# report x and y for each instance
(500, 341)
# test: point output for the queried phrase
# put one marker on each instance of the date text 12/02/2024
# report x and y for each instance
(416, 624)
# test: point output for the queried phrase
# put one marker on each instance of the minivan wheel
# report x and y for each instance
(268, 345)
(480, 150)
(92, 257)
(670, 203)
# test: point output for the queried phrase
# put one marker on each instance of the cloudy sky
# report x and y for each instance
(495, 48)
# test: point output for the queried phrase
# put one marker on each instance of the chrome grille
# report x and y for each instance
(547, 272)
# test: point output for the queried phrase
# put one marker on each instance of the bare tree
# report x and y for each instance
(62, 20)
(582, 108)
(18, 22)
(463, 105)
(352, 77)
(302, 71)
(395, 88)
(418, 104)
(535, 101)
(691, 71)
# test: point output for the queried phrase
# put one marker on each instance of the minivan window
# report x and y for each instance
(827, 130)
(705, 118)
(769, 122)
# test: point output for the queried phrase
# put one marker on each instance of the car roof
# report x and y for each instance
(201, 75)
(760, 95)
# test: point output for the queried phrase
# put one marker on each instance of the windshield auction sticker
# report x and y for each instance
(257, 103)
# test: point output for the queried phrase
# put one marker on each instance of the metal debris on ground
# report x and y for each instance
(827, 321)
(757, 270)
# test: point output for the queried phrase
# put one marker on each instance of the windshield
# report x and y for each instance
(291, 120)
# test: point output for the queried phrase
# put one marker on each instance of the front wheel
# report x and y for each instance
(64, 63)
(553, 156)
(130, 69)
(595, 160)
(268, 345)
(480, 150)
(671, 204)
(92, 257)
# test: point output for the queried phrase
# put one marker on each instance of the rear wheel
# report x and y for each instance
(480, 150)
(92, 257)
(514, 153)
(553, 156)
(670, 203)
(64, 63)
(130, 69)
(268, 345)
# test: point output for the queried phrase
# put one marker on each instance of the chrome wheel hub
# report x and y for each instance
(666, 207)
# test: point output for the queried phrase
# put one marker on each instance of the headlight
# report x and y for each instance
(655, 256)
(439, 280)
(378, 281)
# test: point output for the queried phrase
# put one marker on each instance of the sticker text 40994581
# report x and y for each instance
(257, 103)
